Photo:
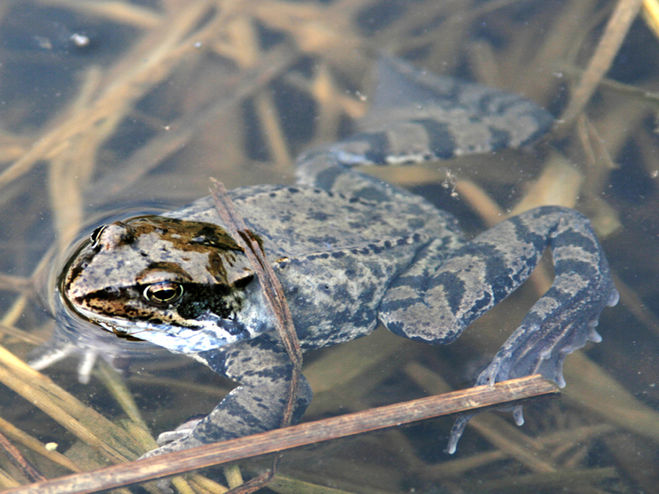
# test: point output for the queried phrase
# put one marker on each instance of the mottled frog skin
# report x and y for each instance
(351, 251)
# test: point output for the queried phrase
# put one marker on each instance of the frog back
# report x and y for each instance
(297, 221)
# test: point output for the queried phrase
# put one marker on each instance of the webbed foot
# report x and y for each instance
(540, 345)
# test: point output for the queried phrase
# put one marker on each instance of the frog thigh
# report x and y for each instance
(419, 117)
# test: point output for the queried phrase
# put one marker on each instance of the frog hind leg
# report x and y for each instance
(418, 117)
(436, 299)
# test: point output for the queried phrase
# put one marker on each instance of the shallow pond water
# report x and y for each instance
(108, 109)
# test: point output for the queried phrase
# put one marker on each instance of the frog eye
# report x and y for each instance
(163, 292)
(96, 235)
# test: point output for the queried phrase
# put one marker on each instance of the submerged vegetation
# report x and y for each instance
(111, 106)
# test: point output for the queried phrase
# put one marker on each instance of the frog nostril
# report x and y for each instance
(96, 236)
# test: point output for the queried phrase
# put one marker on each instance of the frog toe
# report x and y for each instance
(456, 432)
(496, 371)
(614, 298)
(518, 415)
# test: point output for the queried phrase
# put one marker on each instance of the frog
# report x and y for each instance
(351, 252)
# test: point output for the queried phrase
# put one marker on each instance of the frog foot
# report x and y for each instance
(47, 355)
(173, 445)
(182, 431)
(177, 439)
(540, 348)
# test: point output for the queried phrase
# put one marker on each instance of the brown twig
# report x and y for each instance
(19, 460)
(270, 284)
(614, 34)
(276, 300)
(294, 436)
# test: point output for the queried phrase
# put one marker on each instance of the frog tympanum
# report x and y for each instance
(351, 252)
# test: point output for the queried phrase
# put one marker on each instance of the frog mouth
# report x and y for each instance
(207, 333)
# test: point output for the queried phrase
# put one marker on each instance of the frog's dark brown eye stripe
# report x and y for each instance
(163, 292)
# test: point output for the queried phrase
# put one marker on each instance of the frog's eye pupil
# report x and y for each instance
(163, 292)
(96, 235)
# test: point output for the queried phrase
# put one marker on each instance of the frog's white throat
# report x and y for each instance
(207, 332)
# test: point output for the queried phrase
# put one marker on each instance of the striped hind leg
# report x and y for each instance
(436, 303)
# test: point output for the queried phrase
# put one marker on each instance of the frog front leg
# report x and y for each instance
(436, 299)
(263, 370)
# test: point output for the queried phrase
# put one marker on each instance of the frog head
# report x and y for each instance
(183, 285)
